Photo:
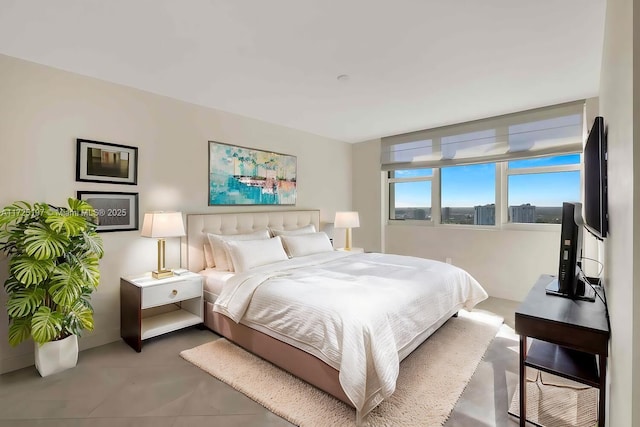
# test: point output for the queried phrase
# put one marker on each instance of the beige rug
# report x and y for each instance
(431, 379)
(560, 404)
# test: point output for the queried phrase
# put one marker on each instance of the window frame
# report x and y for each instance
(503, 172)
(390, 196)
(533, 171)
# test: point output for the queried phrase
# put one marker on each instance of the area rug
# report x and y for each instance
(430, 382)
(557, 405)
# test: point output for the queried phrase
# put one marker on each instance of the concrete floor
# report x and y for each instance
(115, 386)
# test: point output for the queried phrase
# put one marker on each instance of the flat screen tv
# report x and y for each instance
(595, 180)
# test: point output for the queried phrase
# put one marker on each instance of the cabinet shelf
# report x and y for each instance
(564, 362)
(167, 322)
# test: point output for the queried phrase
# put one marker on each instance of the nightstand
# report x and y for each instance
(354, 250)
(150, 307)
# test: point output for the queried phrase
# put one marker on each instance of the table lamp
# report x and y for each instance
(162, 225)
(347, 220)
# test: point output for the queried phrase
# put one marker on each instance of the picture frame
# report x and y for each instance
(249, 176)
(116, 211)
(105, 162)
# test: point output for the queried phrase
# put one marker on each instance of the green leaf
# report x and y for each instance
(12, 285)
(26, 301)
(19, 330)
(93, 243)
(66, 284)
(88, 264)
(69, 223)
(29, 271)
(44, 243)
(16, 212)
(79, 317)
(46, 325)
(80, 206)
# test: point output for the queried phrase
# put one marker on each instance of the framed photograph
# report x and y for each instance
(247, 176)
(116, 211)
(103, 162)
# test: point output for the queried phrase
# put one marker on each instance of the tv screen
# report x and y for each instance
(595, 180)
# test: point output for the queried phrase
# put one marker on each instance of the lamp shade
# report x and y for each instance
(347, 220)
(163, 224)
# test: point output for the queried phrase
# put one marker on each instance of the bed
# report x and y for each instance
(340, 321)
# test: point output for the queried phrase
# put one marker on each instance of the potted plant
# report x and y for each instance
(53, 269)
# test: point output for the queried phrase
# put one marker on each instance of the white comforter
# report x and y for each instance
(359, 313)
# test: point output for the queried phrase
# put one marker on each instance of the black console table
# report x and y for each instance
(567, 338)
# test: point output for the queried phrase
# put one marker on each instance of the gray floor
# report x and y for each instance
(488, 395)
(115, 386)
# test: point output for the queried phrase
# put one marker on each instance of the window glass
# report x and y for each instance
(469, 194)
(538, 197)
(411, 173)
(410, 200)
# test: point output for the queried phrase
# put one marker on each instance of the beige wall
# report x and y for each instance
(521, 255)
(367, 197)
(44, 110)
(505, 262)
(621, 247)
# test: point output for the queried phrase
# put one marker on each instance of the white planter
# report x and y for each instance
(56, 356)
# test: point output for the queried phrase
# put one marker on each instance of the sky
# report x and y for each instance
(471, 185)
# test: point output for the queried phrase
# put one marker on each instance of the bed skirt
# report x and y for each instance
(293, 360)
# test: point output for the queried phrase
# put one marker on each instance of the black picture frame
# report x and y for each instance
(105, 162)
(116, 211)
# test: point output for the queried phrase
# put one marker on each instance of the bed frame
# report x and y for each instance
(293, 360)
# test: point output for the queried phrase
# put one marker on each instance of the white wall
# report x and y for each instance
(621, 248)
(44, 110)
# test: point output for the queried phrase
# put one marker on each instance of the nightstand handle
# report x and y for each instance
(174, 292)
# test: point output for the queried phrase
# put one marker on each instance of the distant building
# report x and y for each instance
(445, 214)
(484, 215)
(522, 213)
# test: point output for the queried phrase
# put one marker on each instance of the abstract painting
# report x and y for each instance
(247, 176)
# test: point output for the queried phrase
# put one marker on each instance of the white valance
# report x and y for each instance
(545, 131)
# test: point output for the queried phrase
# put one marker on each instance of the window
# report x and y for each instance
(514, 168)
(410, 194)
(468, 194)
(537, 187)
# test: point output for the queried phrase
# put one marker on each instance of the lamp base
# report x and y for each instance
(162, 274)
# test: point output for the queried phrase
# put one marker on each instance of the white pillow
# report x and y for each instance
(302, 230)
(208, 255)
(220, 252)
(247, 254)
(307, 244)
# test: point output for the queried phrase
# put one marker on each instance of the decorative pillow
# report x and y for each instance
(208, 255)
(220, 253)
(247, 254)
(302, 230)
(307, 244)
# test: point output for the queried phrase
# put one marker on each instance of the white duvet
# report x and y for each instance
(359, 313)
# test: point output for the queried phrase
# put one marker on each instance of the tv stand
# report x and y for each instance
(569, 339)
(584, 292)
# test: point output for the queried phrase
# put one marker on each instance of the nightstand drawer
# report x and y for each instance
(171, 292)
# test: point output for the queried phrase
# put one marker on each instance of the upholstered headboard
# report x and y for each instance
(236, 223)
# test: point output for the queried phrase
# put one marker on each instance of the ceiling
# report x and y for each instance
(411, 64)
